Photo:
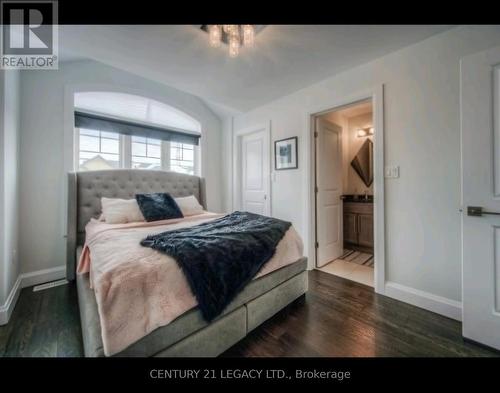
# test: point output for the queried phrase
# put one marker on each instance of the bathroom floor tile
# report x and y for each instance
(363, 275)
(350, 271)
(339, 268)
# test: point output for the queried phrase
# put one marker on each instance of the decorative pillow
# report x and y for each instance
(120, 211)
(158, 206)
(189, 205)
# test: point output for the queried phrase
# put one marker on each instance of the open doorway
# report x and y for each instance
(344, 192)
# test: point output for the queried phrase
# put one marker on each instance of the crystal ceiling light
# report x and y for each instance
(214, 35)
(234, 45)
(248, 35)
(234, 35)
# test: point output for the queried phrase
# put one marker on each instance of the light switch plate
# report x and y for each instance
(395, 172)
(391, 172)
(388, 172)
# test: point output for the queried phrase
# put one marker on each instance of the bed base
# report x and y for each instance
(222, 334)
(261, 300)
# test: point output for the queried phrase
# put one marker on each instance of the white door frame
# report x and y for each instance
(237, 137)
(376, 94)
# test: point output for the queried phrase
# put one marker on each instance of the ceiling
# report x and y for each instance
(284, 59)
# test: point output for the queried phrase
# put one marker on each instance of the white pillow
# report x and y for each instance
(189, 205)
(120, 211)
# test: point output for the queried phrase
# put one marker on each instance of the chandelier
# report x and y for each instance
(234, 35)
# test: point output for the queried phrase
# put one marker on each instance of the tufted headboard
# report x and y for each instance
(85, 190)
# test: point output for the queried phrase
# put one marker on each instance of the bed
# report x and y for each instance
(189, 334)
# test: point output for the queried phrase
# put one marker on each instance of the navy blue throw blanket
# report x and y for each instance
(219, 258)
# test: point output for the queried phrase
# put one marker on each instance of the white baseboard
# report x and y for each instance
(7, 308)
(438, 304)
(42, 276)
(27, 280)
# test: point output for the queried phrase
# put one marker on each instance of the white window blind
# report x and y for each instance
(132, 107)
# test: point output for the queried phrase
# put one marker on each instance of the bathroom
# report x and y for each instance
(345, 192)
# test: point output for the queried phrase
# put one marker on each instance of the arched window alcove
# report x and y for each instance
(119, 130)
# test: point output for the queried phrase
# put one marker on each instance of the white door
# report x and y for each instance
(328, 192)
(255, 168)
(480, 118)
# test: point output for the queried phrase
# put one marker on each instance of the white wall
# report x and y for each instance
(45, 150)
(227, 177)
(422, 136)
(9, 148)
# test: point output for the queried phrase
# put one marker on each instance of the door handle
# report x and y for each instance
(477, 211)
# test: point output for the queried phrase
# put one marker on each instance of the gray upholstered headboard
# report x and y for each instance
(85, 190)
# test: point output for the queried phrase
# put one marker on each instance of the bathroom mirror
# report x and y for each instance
(363, 162)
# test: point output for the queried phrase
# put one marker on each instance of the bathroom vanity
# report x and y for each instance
(358, 222)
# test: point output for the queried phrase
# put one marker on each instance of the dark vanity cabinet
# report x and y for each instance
(350, 233)
(358, 226)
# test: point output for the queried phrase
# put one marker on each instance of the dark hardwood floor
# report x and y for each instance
(44, 323)
(337, 317)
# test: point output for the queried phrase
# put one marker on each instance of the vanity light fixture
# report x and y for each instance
(362, 132)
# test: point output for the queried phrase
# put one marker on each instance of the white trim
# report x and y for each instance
(43, 276)
(237, 135)
(125, 148)
(27, 280)
(7, 308)
(76, 149)
(376, 94)
(196, 160)
(438, 304)
(165, 156)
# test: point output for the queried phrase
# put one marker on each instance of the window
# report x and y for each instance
(182, 158)
(146, 153)
(100, 149)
